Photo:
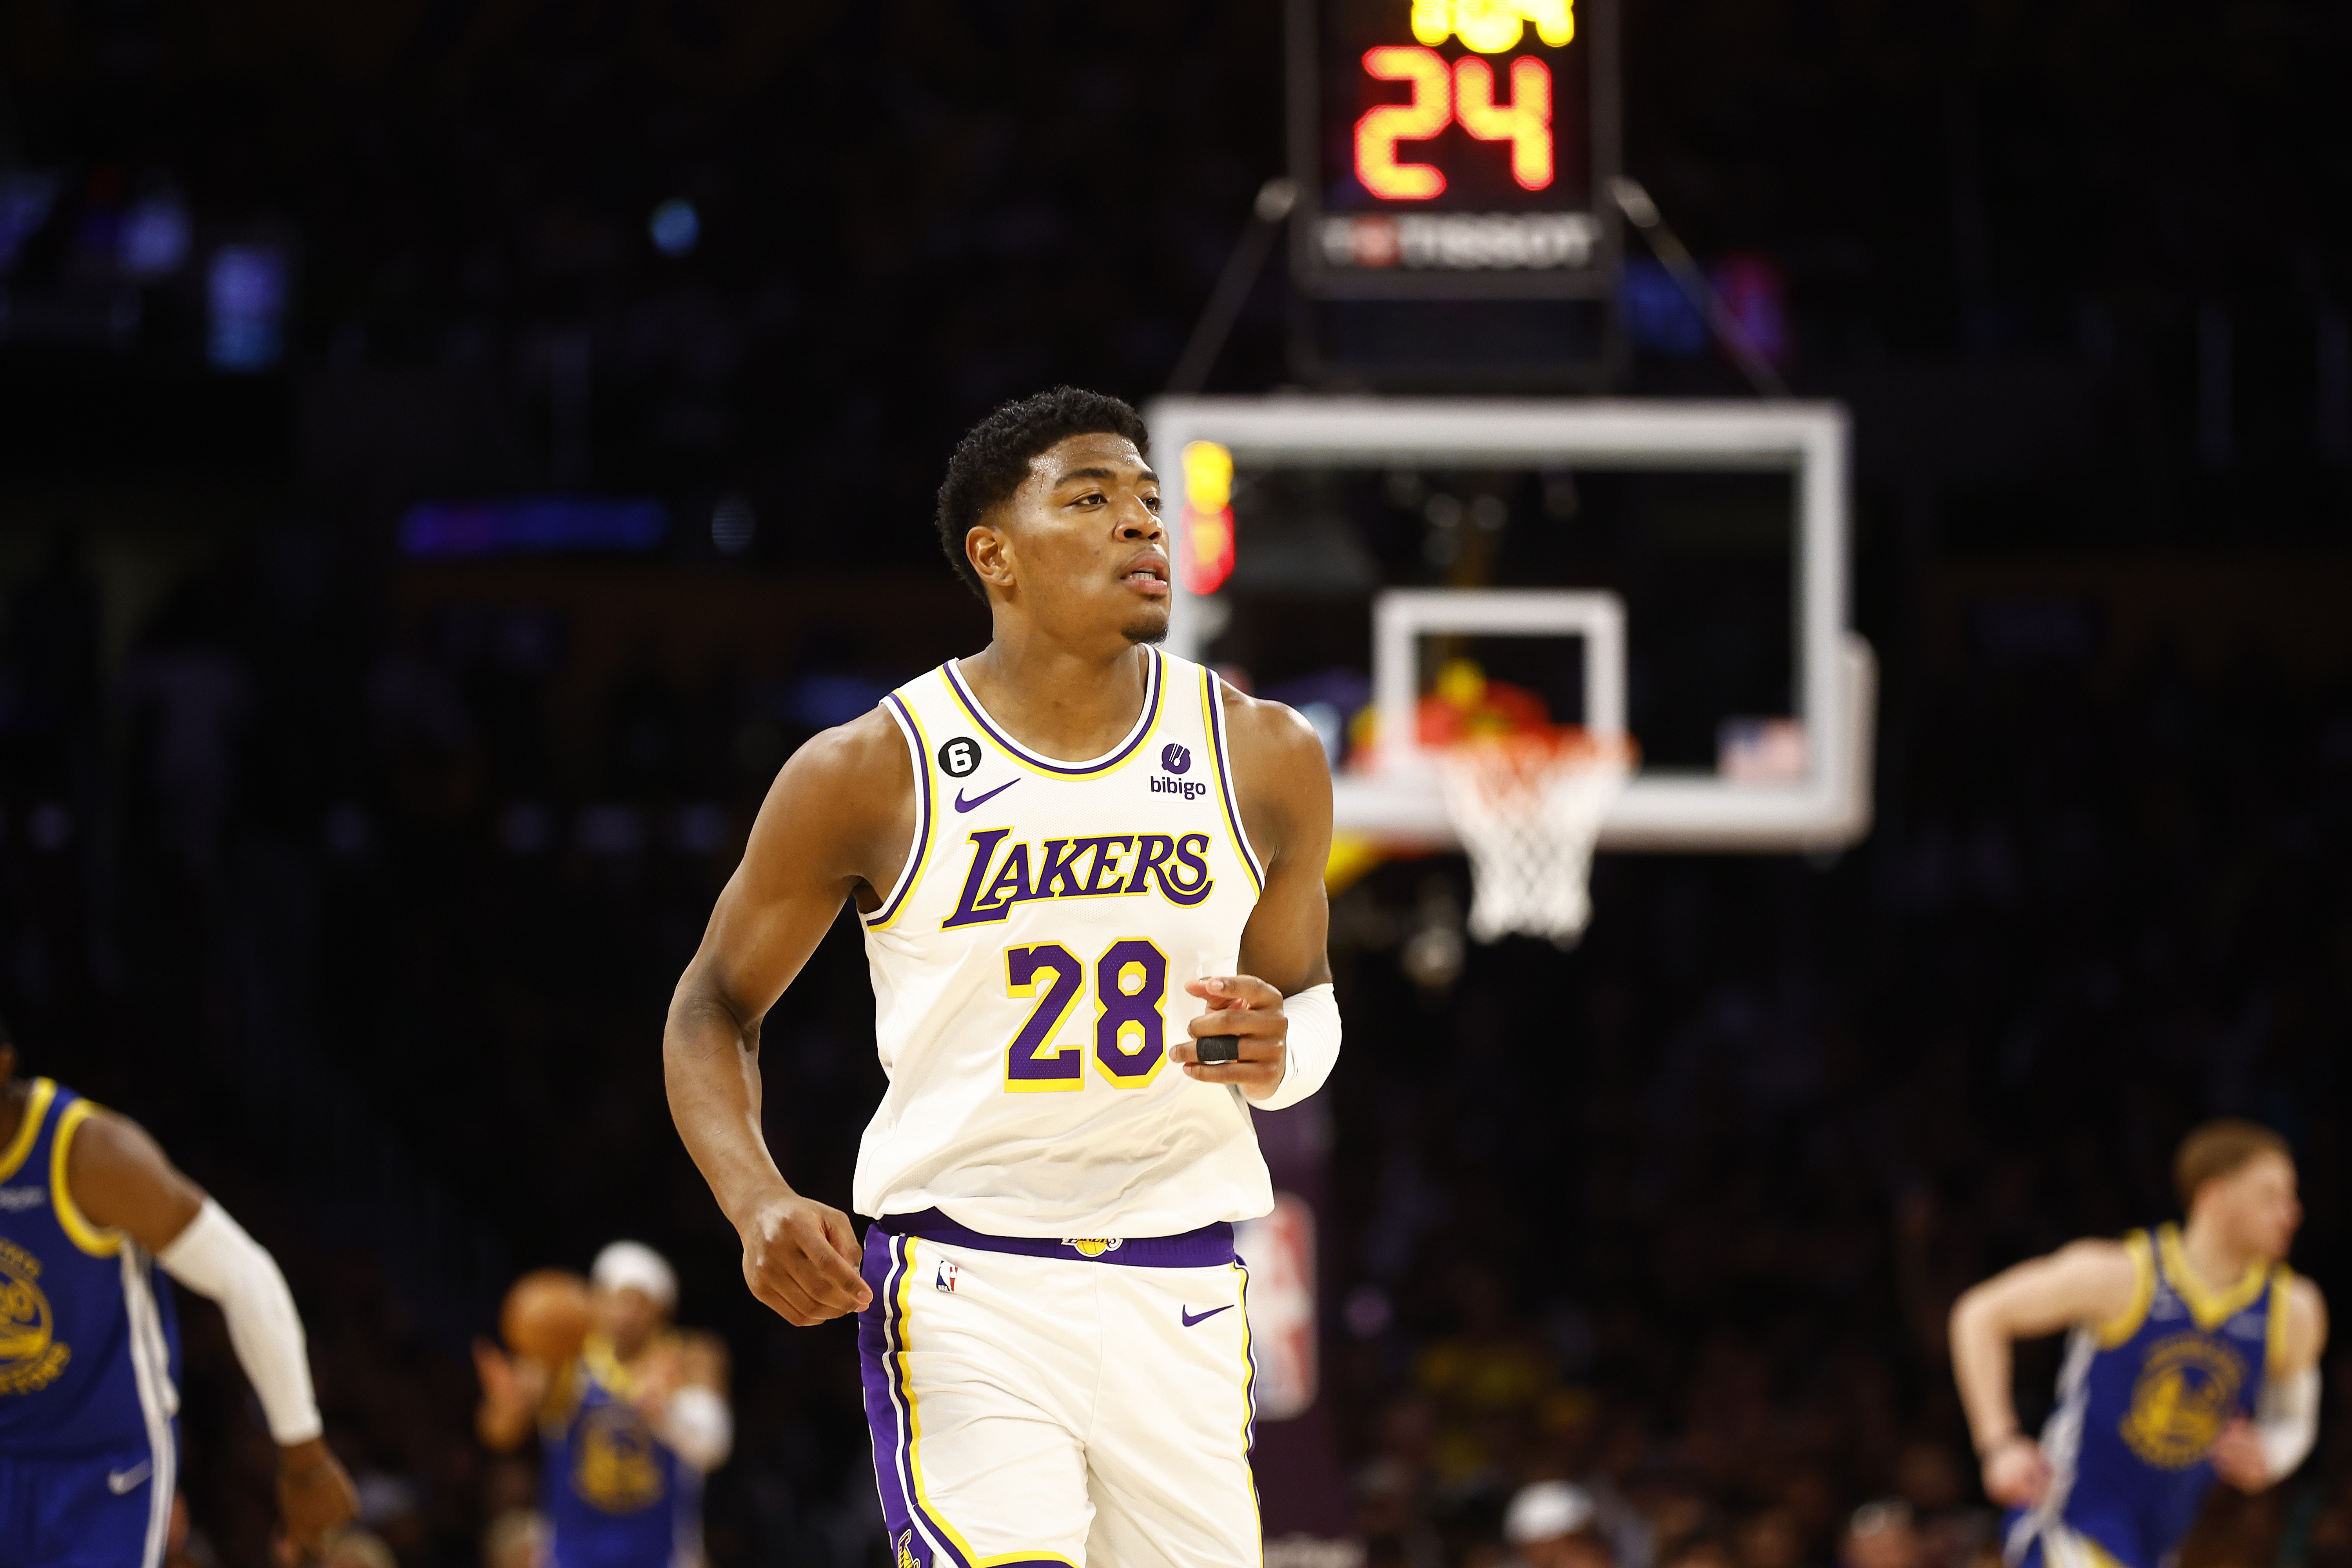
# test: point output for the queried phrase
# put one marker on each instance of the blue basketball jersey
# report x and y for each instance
(2141, 1399)
(89, 1365)
(615, 1495)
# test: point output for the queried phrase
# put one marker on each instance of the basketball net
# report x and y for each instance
(1528, 806)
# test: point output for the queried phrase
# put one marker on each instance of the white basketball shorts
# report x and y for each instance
(1083, 1402)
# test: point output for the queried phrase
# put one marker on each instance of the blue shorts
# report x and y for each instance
(100, 1509)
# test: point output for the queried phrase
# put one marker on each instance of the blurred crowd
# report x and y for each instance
(1636, 1256)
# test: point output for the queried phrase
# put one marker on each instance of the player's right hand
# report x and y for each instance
(800, 1258)
(2016, 1474)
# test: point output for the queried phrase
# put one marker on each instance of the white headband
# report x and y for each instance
(627, 1263)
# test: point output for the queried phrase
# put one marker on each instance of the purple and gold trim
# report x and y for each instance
(920, 1537)
(1211, 1247)
(1029, 758)
(1212, 713)
(919, 850)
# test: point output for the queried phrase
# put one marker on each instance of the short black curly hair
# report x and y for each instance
(993, 458)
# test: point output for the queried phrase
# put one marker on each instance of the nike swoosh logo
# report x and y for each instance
(963, 804)
(1191, 1318)
(119, 1482)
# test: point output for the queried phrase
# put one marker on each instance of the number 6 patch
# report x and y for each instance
(959, 757)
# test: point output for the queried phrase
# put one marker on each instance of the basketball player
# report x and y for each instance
(90, 1349)
(630, 1426)
(2194, 1354)
(1074, 858)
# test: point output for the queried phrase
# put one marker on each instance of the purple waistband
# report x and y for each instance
(1207, 1247)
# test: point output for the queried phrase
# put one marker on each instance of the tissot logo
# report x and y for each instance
(1188, 788)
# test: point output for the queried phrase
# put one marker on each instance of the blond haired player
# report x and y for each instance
(2194, 1354)
(1075, 858)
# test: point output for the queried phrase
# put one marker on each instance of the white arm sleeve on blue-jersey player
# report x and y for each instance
(699, 1426)
(215, 1257)
(1314, 1016)
(2286, 1419)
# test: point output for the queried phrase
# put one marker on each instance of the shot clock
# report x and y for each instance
(1452, 149)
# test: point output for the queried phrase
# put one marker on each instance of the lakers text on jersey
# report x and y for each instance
(1029, 972)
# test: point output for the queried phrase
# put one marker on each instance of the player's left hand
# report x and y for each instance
(1245, 1005)
(315, 1499)
(2237, 1457)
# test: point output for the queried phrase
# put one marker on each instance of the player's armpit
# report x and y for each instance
(121, 1179)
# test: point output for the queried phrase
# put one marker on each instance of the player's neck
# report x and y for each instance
(2211, 1257)
(14, 1093)
(1068, 702)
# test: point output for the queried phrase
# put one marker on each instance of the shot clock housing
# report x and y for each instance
(1452, 157)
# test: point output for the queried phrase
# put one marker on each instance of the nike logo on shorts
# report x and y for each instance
(963, 804)
(1191, 1318)
(120, 1483)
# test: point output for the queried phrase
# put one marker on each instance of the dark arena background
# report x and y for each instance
(451, 454)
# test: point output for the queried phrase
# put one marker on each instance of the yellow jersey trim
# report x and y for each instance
(1249, 1404)
(90, 1238)
(1133, 745)
(2282, 1294)
(2126, 1323)
(1212, 720)
(2208, 1307)
(915, 1432)
(927, 829)
(37, 1110)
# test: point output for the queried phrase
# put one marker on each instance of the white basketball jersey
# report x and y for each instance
(1029, 972)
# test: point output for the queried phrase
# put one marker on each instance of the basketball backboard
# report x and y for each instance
(1675, 570)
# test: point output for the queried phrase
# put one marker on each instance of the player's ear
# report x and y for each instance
(990, 551)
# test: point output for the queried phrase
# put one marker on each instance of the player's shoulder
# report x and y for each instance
(2307, 1302)
(861, 761)
(2104, 1259)
(1272, 732)
(108, 1141)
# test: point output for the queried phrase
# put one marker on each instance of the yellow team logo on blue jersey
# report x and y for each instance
(906, 1554)
(615, 1470)
(30, 1356)
(2186, 1389)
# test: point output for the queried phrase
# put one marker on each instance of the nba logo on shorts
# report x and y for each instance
(1175, 758)
(948, 1276)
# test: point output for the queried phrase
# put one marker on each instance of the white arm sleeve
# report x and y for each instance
(2286, 1419)
(699, 1426)
(1314, 1016)
(215, 1257)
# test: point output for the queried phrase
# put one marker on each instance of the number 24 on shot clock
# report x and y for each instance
(1459, 137)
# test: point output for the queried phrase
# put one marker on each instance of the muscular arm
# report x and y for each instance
(120, 1180)
(836, 825)
(1284, 785)
(2087, 1282)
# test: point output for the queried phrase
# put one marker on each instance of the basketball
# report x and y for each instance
(545, 1316)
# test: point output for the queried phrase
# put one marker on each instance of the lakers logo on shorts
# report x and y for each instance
(2184, 1391)
(1091, 1246)
(616, 1472)
(30, 1356)
(904, 1557)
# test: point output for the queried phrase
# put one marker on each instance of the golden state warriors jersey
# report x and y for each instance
(1029, 971)
(2140, 1402)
